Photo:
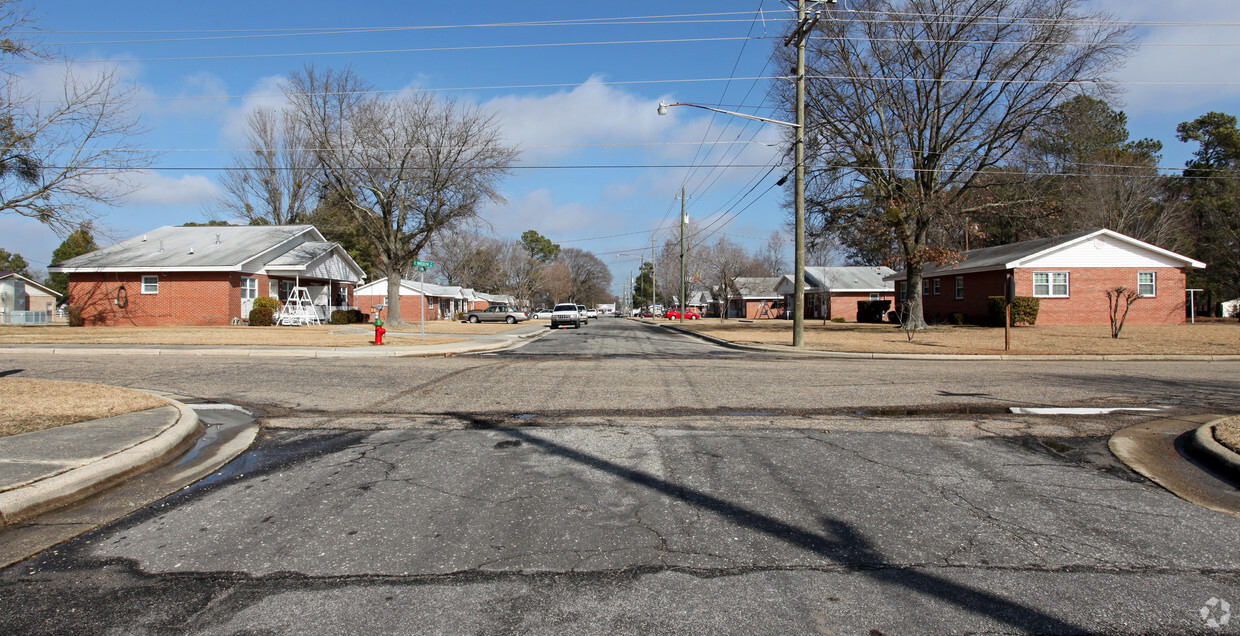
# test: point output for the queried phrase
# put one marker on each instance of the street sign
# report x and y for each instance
(423, 265)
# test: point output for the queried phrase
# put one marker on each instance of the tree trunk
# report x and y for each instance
(914, 315)
(393, 296)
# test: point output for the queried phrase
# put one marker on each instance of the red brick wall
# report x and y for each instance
(1087, 301)
(1085, 305)
(410, 307)
(184, 298)
(844, 305)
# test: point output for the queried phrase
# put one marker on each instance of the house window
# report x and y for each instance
(960, 288)
(875, 296)
(286, 289)
(903, 290)
(273, 289)
(150, 284)
(925, 287)
(1146, 283)
(1050, 284)
(249, 288)
(937, 286)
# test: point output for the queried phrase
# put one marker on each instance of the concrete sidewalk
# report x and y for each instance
(47, 469)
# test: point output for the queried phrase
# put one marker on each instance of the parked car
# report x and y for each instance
(591, 313)
(674, 314)
(497, 313)
(542, 314)
(585, 316)
(646, 313)
(565, 314)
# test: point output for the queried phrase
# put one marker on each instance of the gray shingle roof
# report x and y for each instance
(844, 279)
(189, 248)
(757, 287)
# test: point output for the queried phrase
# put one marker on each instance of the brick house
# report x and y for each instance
(833, 292)
(206, 276)
(441, 302)
(756, 299)
(1070, 274)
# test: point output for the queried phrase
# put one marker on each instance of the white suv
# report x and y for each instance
(565, 314)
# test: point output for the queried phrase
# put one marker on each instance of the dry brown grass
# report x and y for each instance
(1227, 432)
(1200, 339)
(31, 405)
(408, 334)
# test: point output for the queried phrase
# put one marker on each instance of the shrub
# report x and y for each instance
(957, 318)
(75, 317)
(1024, 309)
(460, 316)
(837, 320)
(356, 315)
(340, 317)
(261, 317)
(872, 310)
(268, 302)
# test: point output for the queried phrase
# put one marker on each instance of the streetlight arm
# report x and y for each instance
(663, 111)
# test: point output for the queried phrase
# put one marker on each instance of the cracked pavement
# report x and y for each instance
(510, 494)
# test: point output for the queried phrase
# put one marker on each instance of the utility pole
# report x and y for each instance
(684, 304)
(653, 286)
(801, 34)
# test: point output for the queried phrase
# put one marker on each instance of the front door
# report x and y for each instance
(249, 291)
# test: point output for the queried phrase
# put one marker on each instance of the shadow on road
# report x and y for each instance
(837, 540)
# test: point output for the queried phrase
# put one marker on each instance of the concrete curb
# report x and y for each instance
(1220, 457)
(959, 357)
(78, 483)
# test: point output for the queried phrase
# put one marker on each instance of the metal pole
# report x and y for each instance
(653, 285)
(683, 303)
(798, 279)
(422, 290)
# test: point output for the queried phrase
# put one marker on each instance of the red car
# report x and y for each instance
(674, 314)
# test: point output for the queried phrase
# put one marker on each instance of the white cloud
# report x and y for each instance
(538, 210)
(154, 188)
(1174, 72)
(266, 92)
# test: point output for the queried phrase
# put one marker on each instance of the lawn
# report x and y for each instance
(409, 334)
(1207, 338)
(31, 405)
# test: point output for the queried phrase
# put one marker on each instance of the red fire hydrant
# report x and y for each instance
(379, 330)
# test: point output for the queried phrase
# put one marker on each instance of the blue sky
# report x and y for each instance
(576, 93)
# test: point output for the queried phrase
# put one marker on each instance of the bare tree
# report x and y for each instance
(591, 277)
(406, 168)
(726, 262)
(62, 153)
(468, 259)
(770, 258)
(273, 180)
(910, 101)
(522, 272)
(1120, 298)
(557, 282)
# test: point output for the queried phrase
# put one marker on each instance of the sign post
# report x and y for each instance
(422, 267)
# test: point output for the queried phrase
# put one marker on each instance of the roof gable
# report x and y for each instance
(1089, 249)
(28, 282)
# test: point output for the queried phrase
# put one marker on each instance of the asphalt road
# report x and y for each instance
(622, 479)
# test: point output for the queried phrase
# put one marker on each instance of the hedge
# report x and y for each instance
(872, 310)
(261, 317)
(1024, 309)
(340, 317)
(266, 301)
